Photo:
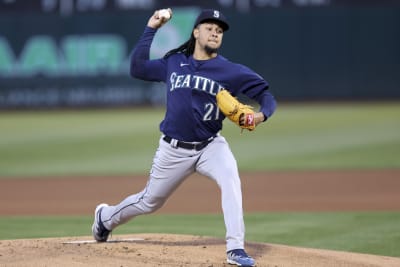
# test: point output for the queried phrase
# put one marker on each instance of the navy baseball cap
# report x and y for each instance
(212, 15)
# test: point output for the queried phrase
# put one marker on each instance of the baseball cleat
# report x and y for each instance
(100, 233)
(240, 258)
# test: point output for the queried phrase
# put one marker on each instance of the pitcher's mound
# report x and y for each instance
(170, 250)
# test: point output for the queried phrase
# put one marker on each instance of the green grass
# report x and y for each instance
(106, 142)
(303, 136)
(324, 136)
(77, 143)
(363, 232)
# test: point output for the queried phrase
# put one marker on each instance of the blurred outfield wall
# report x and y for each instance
(53, 54)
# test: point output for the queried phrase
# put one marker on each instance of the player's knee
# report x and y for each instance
(151, 204)
(229, 175)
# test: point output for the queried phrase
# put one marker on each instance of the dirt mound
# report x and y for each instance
(170, 250)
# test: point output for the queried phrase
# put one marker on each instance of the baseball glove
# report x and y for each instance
(239, 113)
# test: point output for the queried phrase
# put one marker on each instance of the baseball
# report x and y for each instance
(164, 13)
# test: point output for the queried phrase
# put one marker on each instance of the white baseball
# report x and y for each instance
(164, 13)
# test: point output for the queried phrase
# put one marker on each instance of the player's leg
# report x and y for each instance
(169, 170)
(218, 163)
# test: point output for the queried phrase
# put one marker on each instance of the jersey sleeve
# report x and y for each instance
(257, 88)
(141, 66)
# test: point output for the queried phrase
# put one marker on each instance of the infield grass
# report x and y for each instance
(306, 136)
(113, 142)
(363, 232)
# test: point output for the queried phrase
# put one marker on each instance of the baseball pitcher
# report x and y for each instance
(201, 88)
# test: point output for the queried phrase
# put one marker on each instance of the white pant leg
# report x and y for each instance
(170, 168)
(218, 163)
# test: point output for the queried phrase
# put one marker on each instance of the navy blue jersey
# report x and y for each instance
(192, 113)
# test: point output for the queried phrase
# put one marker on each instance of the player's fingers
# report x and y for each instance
(157, 14)
(153, 20)
(242, 119)
(159, 18)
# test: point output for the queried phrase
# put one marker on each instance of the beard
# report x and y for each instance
(210, 50)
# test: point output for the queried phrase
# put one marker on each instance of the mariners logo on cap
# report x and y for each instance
(216, 14)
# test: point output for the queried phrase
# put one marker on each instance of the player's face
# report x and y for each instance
(208, 36)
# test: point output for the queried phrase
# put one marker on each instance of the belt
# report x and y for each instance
(198, 146)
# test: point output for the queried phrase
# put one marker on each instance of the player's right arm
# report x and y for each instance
(140, 64)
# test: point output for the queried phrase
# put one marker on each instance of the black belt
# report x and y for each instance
(198, 146)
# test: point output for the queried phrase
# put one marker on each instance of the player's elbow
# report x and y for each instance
(135, 69)
(134, 72)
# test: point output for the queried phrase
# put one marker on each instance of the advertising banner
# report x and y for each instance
(81, 60)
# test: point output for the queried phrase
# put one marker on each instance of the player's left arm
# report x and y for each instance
(257, 88)
(267, 105)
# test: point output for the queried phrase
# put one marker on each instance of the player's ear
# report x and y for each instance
(195, 33)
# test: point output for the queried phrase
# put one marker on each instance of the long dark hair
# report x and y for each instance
(186, 48)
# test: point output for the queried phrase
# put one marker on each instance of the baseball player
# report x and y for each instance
(194, 73)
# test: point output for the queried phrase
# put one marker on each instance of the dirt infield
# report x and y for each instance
(171, 250)
(271, 191)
